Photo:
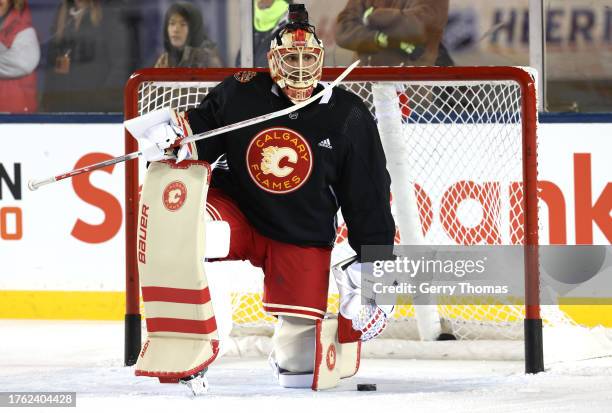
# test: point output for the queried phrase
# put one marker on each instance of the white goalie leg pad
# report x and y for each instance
(293, 351)
(307, 353)
(294, 343)
(182, 329)
(333, 360)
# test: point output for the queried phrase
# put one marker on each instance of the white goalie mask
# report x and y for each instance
(296, 61)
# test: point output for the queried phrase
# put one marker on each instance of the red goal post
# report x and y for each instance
(436, 80)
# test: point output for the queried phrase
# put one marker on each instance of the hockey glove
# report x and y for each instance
(369, 319)
(159, 134)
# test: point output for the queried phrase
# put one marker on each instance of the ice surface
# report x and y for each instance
(86, 357)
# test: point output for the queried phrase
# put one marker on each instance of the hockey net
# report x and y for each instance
(463, 143)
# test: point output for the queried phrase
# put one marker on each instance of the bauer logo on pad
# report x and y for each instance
(174, 195)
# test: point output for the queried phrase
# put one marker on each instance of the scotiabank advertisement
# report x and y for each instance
(575, 177)
(69, 235)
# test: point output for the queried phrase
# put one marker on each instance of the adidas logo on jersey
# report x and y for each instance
(325, 143)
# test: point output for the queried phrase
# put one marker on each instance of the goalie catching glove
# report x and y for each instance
(367, 321)
(159, 134)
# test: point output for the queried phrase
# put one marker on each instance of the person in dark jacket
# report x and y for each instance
(395, 32)
(185, 40)
(87, 62)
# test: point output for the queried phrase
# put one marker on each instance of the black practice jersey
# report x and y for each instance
(290, 175)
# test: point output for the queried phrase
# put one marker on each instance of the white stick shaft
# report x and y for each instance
(35, 184)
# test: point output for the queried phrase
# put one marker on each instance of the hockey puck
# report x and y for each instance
(366, 387)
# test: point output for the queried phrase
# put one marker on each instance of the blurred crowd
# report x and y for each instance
(88, 54)
(76, 55)
(92, 48)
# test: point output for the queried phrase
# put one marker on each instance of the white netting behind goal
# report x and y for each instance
(457, 151)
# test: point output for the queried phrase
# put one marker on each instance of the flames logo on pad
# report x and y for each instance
(174, 195)
(330, 358)
(279, 160)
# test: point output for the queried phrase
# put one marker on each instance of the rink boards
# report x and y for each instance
(62, 247)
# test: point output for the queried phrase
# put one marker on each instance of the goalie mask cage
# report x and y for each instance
(467, 147)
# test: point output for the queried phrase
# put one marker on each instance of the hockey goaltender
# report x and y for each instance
(274, 193)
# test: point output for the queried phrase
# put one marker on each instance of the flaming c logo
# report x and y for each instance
(174, 195)
(279, 160)
(331, 357)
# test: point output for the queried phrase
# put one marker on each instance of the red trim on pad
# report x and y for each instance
(179, 325)
(176, 295)
(167, 376)
(318, 354)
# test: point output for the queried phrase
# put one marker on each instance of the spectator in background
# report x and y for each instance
(185, 39)
(268, 17)
(87, 62)
(395, 32)
(19, 56)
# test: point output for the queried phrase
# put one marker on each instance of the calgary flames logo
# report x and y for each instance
(331, 357)
(279, 160)
(174, 195)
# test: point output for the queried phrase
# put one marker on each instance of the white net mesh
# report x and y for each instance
(458, 148)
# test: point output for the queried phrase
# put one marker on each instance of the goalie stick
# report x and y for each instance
(35, 184)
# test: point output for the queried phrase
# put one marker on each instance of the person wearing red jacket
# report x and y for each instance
(19, 56)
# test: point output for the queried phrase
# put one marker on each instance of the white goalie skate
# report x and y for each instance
(197, 383)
